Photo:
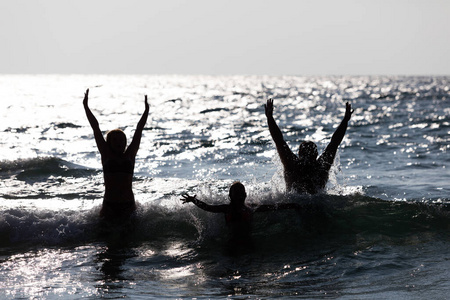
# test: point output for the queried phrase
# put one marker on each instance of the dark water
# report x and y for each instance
(381, 230)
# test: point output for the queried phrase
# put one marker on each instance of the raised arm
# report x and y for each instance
(134, 145)
(203, 205)
(99, 139)
(283, 149)
(330, 152)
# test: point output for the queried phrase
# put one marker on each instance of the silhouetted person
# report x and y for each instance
(118, 165)
(306, 173)
(238, 216)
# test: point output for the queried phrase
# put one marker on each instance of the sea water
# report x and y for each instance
(379, 231)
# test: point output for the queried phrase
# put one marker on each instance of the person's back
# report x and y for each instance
(119, 199)
(239, 221)
(304, 177)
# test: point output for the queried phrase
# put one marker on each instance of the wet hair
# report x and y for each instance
(308, 149)
(237, 188)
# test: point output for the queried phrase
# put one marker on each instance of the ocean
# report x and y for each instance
(379, 231)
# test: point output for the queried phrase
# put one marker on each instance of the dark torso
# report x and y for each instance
(118, 200)
(239, 221)
(118, 165)
(303, 177)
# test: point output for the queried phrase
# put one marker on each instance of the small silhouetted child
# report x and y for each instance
(238, 216)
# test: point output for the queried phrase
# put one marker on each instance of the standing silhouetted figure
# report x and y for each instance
(306, 173)
(118, 165)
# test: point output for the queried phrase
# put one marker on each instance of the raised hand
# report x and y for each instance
(146, 103)
(187, 198)
(348, 111)
(269, 108)
(86, 96)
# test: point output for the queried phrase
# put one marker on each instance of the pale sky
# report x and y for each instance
(215, 37)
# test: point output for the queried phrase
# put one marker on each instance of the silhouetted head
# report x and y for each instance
(237, 193)
(116, 140)
(307, 151)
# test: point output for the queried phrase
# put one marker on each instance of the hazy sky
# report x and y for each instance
(281, 37)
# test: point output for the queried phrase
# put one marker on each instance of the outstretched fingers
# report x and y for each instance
(268, 107)
(186, 198)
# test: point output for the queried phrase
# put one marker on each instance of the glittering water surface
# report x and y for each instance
(380, 231)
